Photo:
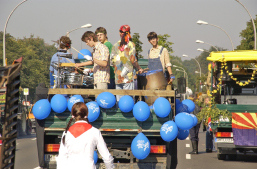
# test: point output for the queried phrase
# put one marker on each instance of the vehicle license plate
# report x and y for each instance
(50, 157)
(224, 140)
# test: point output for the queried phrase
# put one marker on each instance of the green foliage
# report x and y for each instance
(163, 41)
(138, 43)
(36, 60)
(247, 35)
(211, 110)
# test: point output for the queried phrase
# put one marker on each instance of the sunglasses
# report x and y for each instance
(121, 31)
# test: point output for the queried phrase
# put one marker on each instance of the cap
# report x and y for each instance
(125, 28)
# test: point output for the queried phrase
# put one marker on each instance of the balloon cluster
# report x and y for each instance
(59, 104)
(184, 121)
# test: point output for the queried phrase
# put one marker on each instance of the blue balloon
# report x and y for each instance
(59, 103)
(84, 52)
(184, 121)
(106, 100)
(140, 146)
(41, 109)
(162, 107)
(182, 134)
(93, 111)
(169, 131)
(126, 103)
(177, 102)
(95, 157)
(141, 111)
(190, 104)
(195, 119)
(74, 99)
(181, 108)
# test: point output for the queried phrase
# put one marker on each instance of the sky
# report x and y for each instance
(51, 19)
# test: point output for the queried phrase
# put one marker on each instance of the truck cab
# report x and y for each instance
(238, 96)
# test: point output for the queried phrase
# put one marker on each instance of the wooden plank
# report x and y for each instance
(162, 93)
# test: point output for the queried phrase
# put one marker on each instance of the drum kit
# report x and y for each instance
(67, 75)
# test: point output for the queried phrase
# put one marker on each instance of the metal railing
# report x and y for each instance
(10, 77)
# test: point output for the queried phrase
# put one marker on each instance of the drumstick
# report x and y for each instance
(75, 64)
(77, 51)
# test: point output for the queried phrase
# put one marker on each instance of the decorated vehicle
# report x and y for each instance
(235, 87)
(132, 136)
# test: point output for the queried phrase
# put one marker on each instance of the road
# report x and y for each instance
(26, 156)
(209, 160)
(26, 152)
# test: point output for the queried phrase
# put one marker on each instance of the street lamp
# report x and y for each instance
(206, 23)
(184, 75)
(254, 29)
(5, 30)
(180, 68)
(197, 63)
(202, 50)
(84, 26)
(199, 41)
(197, 72)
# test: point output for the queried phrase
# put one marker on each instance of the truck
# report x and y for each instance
(236, 72)
(118, 130)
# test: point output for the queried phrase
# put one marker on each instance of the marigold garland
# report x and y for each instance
(224, 65)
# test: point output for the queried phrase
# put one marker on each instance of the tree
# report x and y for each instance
(247, 35)
(163, 41)
(36, 60)
(138, 43)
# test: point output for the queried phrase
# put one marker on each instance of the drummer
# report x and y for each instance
(64, 44)
(158, 57)
(100, 60)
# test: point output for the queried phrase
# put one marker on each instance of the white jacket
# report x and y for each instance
(80, 142)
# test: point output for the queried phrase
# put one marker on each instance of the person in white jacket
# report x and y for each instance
(79, 142)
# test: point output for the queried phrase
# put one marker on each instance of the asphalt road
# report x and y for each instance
(26, 152)
(26, 156)
(205, 160)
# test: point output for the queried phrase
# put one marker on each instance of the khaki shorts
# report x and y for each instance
(101, 85)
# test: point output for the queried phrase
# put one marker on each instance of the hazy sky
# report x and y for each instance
(51, 19)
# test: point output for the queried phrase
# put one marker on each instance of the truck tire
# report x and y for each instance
(221, 156)
(232, 157)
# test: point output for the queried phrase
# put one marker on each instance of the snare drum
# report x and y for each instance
(72, 79)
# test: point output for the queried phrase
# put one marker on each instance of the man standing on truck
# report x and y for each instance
(101, 34)
(100, 60)
(64, 45)
(158, 57)
(124, 60)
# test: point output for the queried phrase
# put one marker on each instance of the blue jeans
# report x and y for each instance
(125, 86)
(111, 85)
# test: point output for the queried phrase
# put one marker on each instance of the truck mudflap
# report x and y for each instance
(151, 162)
(52, 165)
(134, 166)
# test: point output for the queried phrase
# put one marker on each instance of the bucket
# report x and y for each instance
(152, 80)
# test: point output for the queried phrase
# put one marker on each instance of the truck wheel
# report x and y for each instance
(232, 157)
(221, 156)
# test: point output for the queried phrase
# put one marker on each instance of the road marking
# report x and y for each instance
(187, 138)
(188, 156)
(34, 139)
(187, 145)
